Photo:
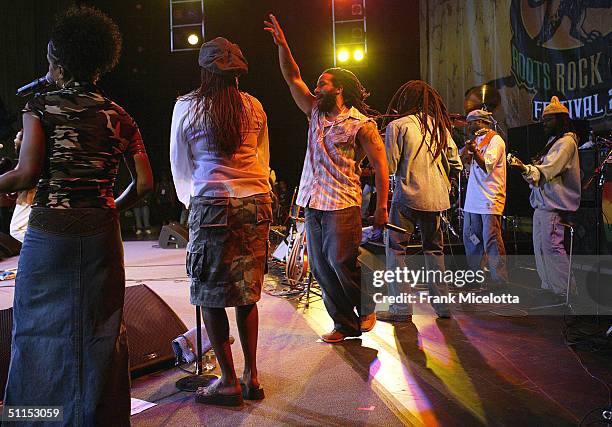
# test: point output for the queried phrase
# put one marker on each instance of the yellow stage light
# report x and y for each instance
(358, 55)
(343, 55)
(193, 39)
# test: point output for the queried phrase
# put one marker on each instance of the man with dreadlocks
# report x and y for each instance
(339, 137)
(423, 157)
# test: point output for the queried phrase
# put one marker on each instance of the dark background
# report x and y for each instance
(149, 77)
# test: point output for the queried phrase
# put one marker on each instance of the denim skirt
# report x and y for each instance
(69, 343)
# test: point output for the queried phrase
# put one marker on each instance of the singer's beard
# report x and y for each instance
(326, 102)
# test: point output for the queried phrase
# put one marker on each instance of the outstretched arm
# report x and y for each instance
(372, 144)
(291, 72)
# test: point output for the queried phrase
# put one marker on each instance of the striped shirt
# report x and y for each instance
(330, 177)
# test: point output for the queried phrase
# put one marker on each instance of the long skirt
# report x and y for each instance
(69, 344)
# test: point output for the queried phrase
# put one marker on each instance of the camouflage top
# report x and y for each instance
(86, 135)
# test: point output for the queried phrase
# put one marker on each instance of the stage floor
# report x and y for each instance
(475, 369)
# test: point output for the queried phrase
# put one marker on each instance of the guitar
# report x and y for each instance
(467, 154)
(515, 162)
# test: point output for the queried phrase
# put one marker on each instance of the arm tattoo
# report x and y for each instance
(370, 135)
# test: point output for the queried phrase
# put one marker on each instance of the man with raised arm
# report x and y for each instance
(340, 135)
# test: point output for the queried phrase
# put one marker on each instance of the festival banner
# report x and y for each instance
(529, 49)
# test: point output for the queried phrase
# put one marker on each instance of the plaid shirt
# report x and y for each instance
(330, 177)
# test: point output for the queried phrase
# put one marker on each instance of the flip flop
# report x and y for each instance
(213, 397)
(252, 393)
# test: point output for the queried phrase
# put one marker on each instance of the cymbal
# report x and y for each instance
(481, 97)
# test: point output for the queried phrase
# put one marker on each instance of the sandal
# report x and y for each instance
(210, 396)
(252, 393)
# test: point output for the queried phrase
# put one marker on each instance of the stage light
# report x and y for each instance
(193, 39)
(186, 24)
(349, 32)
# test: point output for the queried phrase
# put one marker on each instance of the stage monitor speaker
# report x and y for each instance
(151, 326)
(9, 246)
(6, 327)
(173, 236)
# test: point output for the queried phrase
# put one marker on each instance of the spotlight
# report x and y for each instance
(186, 24)
(343, 55)
(193, 39)
(358, 55)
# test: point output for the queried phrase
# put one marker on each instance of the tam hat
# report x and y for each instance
(220, 56)
(483, 115)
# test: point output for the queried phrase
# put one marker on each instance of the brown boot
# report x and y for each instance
(368, 322)
(333, 337)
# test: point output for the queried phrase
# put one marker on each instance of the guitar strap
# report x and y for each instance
(485, 141)
(538, 157)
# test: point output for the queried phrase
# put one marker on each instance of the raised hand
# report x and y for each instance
(274, 28)
(289, 68)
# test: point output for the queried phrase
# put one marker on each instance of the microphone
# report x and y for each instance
(35, 86)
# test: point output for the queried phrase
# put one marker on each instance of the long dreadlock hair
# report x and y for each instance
(354, 94)
(416, 97)
(220, 109)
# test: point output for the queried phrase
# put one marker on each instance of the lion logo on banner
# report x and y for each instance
(546, 21)
(561, 48)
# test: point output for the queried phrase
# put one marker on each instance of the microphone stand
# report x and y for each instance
(192, 382)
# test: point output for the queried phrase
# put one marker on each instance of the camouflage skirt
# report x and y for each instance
(228, 248)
